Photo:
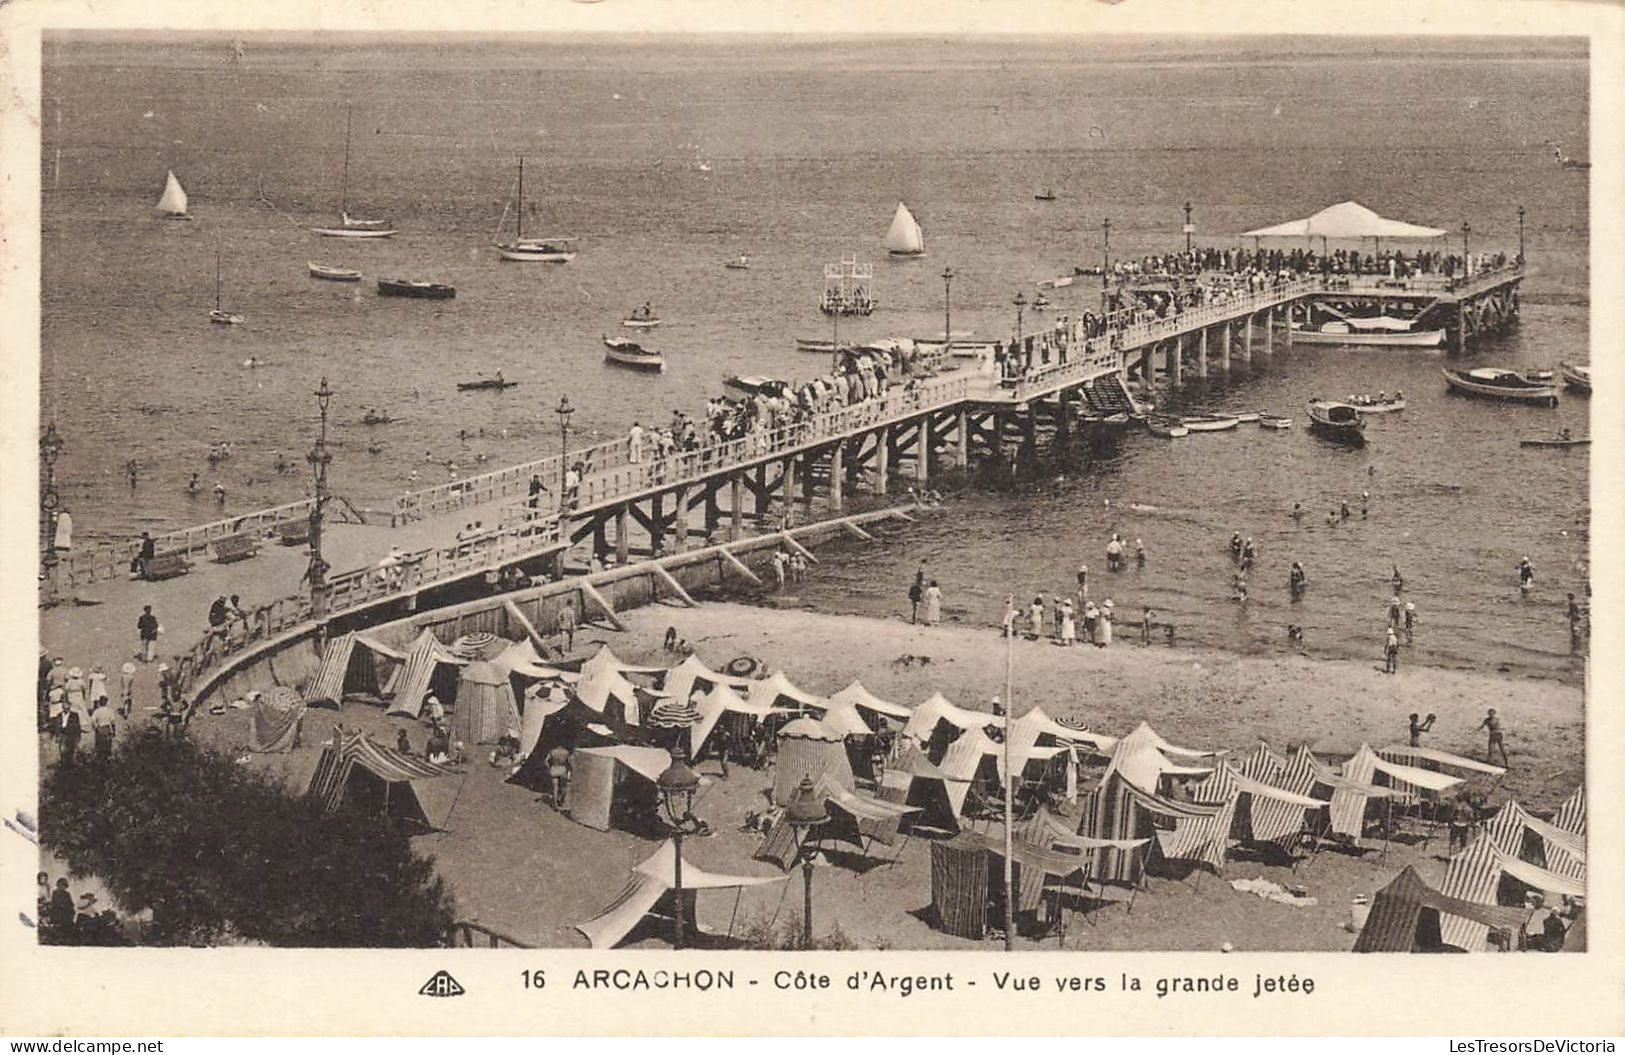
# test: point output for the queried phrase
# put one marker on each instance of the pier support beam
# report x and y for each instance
(1063, 418)
(789, 479)
(962, 432)
(837, 475)
(1286, 331)
(623, 544)
(1201, 353)
(1173, 364)
(1224, 350)
(1148, 369)
(657, 524)
(922, 450)
(679, 521)
(882, 458)
(1269, 333)
(736, 527)
(1247, 341)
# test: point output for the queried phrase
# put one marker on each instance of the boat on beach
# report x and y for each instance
(550, 250)
(1210, 422)
(492, 383)
(1496, 383)
(1575, 376)
(1166, 427)
(1337, 421)
(1379, 331)
(1249, 417)
(350, 226)
(629, 353)
(1380, 404)
(172, 202)
(1273, 421)
(333, 274)
(415, 288)
(904, 237)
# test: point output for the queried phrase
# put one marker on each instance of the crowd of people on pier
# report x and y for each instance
(1210, 260)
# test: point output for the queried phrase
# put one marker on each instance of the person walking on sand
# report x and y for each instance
(1083, 583)
(1103, 625)
(126, 689)
(1069, 625)
(1410, 622)
(933, 604)
(1055, 617)
(1145, 627)
(567, 626)
(916, 594)
(1497, 742)
(1390, 652)
(1398, 580)
(147, 629)
(1297, 512)
(1035, 618)
(1139, 554)
(1008, 623)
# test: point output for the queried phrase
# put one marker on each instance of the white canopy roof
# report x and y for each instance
(595, 692)
(777, 685)
(647, 883)
(1345, 220)
(604, 659)
(859, 696)
(711, 706)
(937, 708)
(1404, 752)
(679, 680)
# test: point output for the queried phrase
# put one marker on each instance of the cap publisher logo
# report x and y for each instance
(442, 984)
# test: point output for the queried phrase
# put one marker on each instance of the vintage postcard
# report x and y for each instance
(663, 518)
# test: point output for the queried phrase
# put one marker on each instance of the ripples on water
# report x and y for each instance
(808, 160)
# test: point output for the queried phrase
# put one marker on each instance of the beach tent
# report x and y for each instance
(607, 692)
(522, 660)
(541, 702)
(809, 748)
(1037, 724)
(354, 770)
(776, 690)
(1523, 835)
(1407, 782)
(606, 660)
(681, 681)
(1128, 804)
(719, 701)
(651, 882)
(936, 722)
(854, 818)
(1142, 758)
(1345, 221)
(573, 726)
(427, 662)
(274, 721)
(1405, 917)
(486, 708)
(864, 700)
(614, 778)
(1475, 875)
(1571, 816)
(1264, 763)
(1266, 813)
(1442, 761)
(353, 663)
(1349, 798)
(912, 780)
(959, 886)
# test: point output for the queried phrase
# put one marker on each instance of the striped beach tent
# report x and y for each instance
(1406, 916)
(861, 698)
(1475, 875)
(1263, 764)
(352, 769)
(486, 708)
(274, 721)
(1407, 782)
(1349, 797)
(426, 656)
(809, 748)
(353, 662)
(1571, 816)
(1521, 834)
(680, 681)
(650, 883)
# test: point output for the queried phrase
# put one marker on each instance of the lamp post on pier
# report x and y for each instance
(50, 448)
(1466, 250)
(1189, 229)
(947, 310)
(319, 458)
(805, 814)
(1520, 236)
(677, 784)
(563, 410)
(1021, 306)
(1105, 251)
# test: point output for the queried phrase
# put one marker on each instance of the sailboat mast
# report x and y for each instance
(344, 179)
(217, 280)
(519, 220)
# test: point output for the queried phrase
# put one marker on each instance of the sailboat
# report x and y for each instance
(220, 315)
(172, 203)
(349, 226)
(546, 250)
(904, 237)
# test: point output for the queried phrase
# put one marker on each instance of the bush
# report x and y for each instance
(786, 935)
(220, 854)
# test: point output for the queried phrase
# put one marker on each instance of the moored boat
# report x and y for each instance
(1338, 421)
(1210, 422)
(630, 353)
(1563, 439)
(1379, 404)
(814, 344)
(411, 287)
(333, 274)
(1497, 383)
(1166, 427)
(1044, 195)
(1575, 376)
(484, 383)
(642, 318)
(551, 250)
(1249, 417)
(218, 315)
(752, 384)
(738, 263)
(1380, 330)
(350, 226)
(1272, 421)
(904, 237)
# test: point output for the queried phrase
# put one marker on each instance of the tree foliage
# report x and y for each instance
(221, 854)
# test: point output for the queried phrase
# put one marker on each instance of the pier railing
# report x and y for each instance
(107, 562)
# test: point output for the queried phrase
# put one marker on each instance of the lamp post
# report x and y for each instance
(1520, 236)
(1105, 250)
(319, 458)
(1009, 784)
(563, 410)
(1466, 250)
(677, 784)
(1021, 306)
(1189, 229)
(947, 310)
(50, 448)
(805, 814)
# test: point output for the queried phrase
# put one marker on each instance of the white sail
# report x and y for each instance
(173, 202)
(904, 236)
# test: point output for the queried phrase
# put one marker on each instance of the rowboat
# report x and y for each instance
(630, 353)
(1210, 422)
(333, 274)
(738, 263)
(1271, 421)
(1249, 417)
(1556, 441)
(1337, 421)
(1381, 405)
(1044, 195)
(904, 237)
(641, 319)
(1167, 428)
(484, 383)
(1380, 330)
(411, 287)
(1496, 383)
(555, 250)
(814, 344)
(350, 226)
(1575, 376)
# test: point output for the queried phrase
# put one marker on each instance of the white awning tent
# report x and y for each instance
(862, 698)
(1407, 755)
(521, 658)
(649, 882)
(604, 659)
(720, 700)
(938, 709)
(777, 687)
(1345, 221)
(681, 680)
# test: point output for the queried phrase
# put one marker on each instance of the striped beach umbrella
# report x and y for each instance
(674, 714)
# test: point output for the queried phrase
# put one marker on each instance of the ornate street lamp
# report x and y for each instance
(1190, 229)
(50, 448)
(947, 310)
(1466, 250)
(677, 784)
(1021, 306)
(1520, 236)
(805, 814)
(319, 458)
(563, 410)
(1105, 251)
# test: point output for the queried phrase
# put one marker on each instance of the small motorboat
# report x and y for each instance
(642, 318)
(1378, 330)
(1166, 427)
(333, 274)
(484, 383)
(373, 417)
(1210, 422)
(1273, 421)
(813, 344)
(1379, 404)
(1575, 376)
(1249, 417)
(1337, 421)
(1496, 383)
(1562, 439)
(415, 288)
(754, 384)
(1044, 195)
(629, 353)
(224, 318)
(738, 263)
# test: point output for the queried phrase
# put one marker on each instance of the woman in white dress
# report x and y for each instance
(1069, 625)
(933, 604)
(1103, 625)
